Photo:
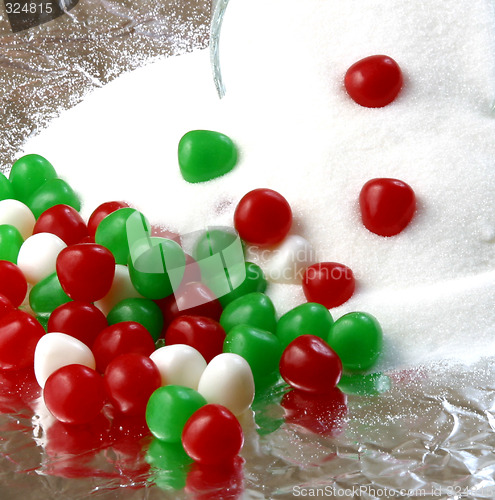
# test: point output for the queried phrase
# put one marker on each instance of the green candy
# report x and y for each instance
(10, 243)
(120, 230)
(254, 309)
(205, 155)
(365, 385)
(6, 189)
(254, 281)
(306, 319)
(28, 174)
(143, 311)
(357, 338)
(157, 267)
(213, 241)
(53, 192)
(47, 295)
(261, 349)
(168, 410)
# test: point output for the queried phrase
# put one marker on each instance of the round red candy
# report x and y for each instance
(374, 82)
(387, 206)
(309, 364)
(5, 306)
(328, 283)
(130, 379)
(86, 271)
(263, 217)
(101, 212)
(74, 394)
(212, 435)
(13, 284)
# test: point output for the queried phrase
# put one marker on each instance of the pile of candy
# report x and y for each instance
(110, 315)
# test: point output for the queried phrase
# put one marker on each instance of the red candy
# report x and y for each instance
(309, 364)
(374, 81)
(5, 306)
(130, 379)
(263, 217)
(63, 221)
(204, 334)
(121, 338)
(328, 283)
(74, 394)
(101, 212)
(19, 334)
(212, 435)
(86, 271)
(81, 320)
(387, 206)
(13, 284)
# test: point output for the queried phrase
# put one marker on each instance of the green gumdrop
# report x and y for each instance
(6, 189)
(261, 349)
(157, 268)
(306, 319)
(10, 243)
(53, 192)
(211, 242)
(254, 281)
(47, 295)
(365, 385)
(114, 233)
(204, 155)
(28, 174)
(169, 464)
(168, 410)
(357, 338)
(143, 311)
(254, 309)
(43, 320)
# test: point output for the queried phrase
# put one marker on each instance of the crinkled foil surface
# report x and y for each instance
(422, 433)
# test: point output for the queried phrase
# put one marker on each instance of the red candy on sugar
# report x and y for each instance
(328, 283)
(121, 338)
(263, 217)
(81, 320)
(204, 334)
(101, 212)
(130, 379)
(86, 271)
(13, 284)
(63, 221)
(309, 364)
(74, 394)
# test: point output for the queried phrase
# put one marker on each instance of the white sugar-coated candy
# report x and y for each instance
(179, 364)
(16, 214)
(38, 256)
(228, 381)
(122, 288)
(55, 350)
(290, 259)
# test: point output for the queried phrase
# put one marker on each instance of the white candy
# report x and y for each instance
(17, 214)
(289, 260)
(228, 381)
(55, 350)
(38, 256)
(122, 288)
(179, 364)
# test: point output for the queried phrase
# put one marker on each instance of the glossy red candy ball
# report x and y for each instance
(121, 338)
(263, 217)
(63, 221)
(101, 212)
(13, 284)
(74, 394)
(81, 320)
(374, 81)
(309, 364)
(130, 379)
(86, 271)
(5, 306)
(204, 334)
(387, 206)
(328, 283)
(212, 435)
(19, 334)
